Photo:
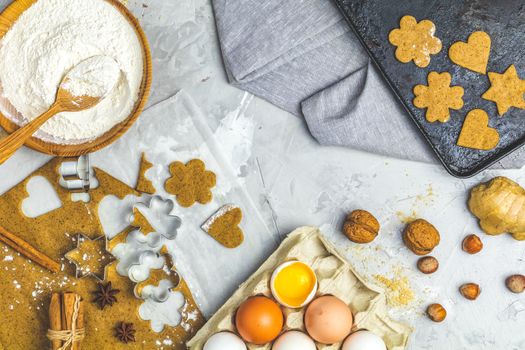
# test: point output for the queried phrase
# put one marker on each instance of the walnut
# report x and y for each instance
(361, 227)
(421, 237)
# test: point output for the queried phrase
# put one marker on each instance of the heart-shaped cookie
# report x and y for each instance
(476, 133)
(224, 226)
(474, 54)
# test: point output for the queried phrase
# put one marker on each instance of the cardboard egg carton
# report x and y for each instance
(335, 276)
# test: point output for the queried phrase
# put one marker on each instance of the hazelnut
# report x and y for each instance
(421, 237)
(470, 291)
(472, 244)
(361, 227)
(436, 312)
(516, 283)
(427, 264)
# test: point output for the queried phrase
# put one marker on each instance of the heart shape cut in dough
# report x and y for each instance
(474, 54)
(42, 198)
(476, 133)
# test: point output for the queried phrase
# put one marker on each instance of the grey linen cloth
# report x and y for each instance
(302, 56)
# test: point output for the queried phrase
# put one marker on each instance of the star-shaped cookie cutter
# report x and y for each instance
(79, 256)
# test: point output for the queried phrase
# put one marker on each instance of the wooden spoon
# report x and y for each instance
(65, 102)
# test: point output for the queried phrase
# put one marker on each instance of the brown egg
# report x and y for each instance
(259, 320)
(328, 320)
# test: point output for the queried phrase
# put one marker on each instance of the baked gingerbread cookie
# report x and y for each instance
(190, 183)
(438, 97)
(476, 132)
(223, 226)
(415, 41)
(506, 90)
(474, 54)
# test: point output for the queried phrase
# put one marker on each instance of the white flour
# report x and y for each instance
(50, 38)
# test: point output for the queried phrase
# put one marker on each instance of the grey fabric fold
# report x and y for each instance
(302, 56)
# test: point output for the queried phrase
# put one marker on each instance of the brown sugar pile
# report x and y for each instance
(397, 289)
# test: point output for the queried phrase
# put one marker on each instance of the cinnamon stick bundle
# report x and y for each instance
(66, 321)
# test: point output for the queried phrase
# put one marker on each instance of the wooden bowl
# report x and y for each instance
(9, 16)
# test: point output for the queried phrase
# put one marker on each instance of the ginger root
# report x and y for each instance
(500, 207)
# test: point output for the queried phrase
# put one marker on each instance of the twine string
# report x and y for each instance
(70, 335)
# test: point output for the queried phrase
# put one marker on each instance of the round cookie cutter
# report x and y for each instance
(9, 16)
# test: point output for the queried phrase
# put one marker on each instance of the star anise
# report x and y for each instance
(105, 295)
(125, 332)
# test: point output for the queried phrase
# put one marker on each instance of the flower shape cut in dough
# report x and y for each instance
(190, 182)
(415, 41)
(438, 97)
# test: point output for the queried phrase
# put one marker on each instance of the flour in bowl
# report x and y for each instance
(49, 39)
(95, 77)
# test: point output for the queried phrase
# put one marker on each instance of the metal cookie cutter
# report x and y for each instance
(75, 174)
(153, 282)
(91, 257)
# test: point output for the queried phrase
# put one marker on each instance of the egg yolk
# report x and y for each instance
(294, 283)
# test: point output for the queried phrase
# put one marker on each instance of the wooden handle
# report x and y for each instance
(13, 142)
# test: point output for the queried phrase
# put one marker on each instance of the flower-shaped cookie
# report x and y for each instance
(438, 97)
(190, 183)
(415, 41)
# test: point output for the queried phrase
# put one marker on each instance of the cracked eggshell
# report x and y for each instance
(224, 340)
(293, 284)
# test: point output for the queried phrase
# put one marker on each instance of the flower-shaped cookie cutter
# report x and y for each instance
(155, 220)
(155, 283)
(82, 257)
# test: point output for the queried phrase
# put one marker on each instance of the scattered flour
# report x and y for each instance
(49, 39)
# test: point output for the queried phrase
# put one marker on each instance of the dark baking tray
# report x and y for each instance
(455, 20)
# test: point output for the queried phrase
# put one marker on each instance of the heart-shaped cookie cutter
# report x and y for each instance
(74, 173)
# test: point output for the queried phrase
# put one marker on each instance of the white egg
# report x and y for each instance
(294, 340)
(224, 340)
(364, 340)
